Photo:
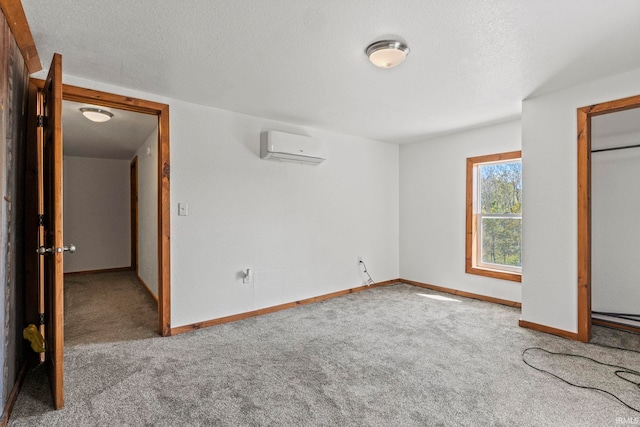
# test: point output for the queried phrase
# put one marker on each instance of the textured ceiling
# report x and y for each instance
(303, 61)
(119, 138)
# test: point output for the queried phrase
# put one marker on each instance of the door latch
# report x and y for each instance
(42, 250)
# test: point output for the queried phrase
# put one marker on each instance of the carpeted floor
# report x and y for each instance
(391, 356)
(107, 307)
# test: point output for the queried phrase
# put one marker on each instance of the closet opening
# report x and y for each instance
(608, 220)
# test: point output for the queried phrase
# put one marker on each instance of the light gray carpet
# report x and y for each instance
(107, 307)
(384, 357)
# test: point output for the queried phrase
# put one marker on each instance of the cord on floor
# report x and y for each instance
(621, 370)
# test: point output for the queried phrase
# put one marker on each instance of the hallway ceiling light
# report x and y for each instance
(387, 53)
(96, 114)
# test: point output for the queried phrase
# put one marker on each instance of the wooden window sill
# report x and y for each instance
(496, 274)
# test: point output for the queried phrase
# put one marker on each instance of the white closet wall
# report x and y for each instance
(148, 212)
(615, 216)
(96, 213)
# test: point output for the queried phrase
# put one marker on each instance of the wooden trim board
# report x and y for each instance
(267, 310)
(584, 225)
(105, 99)
(273, 309)
(548, 329)
(13, 396)
(164, 227)
(615, 325)
(17, 20)
(521, 323)
(462, 293)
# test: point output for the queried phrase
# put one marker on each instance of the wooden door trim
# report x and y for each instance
(584, 225)
(17, 20)
(78, 94)
(133, 207)
(584, 204)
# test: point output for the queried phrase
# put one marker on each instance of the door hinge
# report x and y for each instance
(40, 220)
(41, 319)
(40, 121)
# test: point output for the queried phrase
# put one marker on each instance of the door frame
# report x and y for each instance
(584, 205)
(105, 99)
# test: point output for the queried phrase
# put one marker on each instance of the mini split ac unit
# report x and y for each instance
(288, 147)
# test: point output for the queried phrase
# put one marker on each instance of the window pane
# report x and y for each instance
(501, 240)
(501, 188)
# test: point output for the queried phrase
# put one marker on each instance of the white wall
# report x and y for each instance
(432, 208)
(96, 213)
(148, 212)
(299, 227)
(615, 227)
(549, 163)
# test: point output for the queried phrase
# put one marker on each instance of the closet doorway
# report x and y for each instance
(615, 222)
(608, 222)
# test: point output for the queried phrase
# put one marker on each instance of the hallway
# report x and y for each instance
(107, 307)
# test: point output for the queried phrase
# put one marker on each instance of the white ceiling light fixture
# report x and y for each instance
(387, 53)
(96, 114)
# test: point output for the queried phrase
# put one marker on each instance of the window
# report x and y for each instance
(494, 216)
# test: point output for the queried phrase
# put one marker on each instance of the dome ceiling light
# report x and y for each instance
(387, 53)
(96, 114)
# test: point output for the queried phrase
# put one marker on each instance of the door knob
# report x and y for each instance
(71, 249)
(42, 250)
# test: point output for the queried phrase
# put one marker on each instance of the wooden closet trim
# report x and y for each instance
(584, 205)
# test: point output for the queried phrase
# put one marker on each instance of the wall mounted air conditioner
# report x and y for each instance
(287, 147)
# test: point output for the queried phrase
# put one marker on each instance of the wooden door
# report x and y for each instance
(52, 221)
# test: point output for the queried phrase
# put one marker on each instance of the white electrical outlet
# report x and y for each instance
(359, 258)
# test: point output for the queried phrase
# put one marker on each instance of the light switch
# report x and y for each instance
(183, 209)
